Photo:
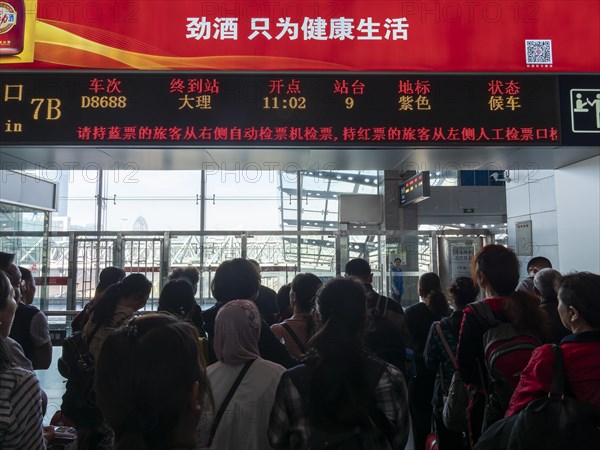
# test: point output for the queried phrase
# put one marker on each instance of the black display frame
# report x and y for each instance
(244, 107)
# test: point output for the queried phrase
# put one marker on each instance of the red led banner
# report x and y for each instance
(305, 35)
(242, 109)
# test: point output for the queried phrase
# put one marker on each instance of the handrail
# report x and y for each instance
(77, 255)
(247, 233)
(61, 313)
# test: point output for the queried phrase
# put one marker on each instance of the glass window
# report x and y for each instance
(152, 200)
(242, 200)
(77, 206)
(321, 190)
(445, 177)
(18, 218)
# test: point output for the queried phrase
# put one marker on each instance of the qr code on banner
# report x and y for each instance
(539, 51)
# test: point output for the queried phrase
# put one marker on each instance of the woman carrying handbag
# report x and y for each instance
(450, 396)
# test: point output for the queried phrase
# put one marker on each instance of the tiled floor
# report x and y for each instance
(54, 385)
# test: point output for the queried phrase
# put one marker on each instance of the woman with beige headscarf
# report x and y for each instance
(242, 423)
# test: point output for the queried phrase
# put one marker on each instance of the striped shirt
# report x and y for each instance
(20, 410)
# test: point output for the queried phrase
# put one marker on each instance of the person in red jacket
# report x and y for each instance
(495, 269)
(579, 311)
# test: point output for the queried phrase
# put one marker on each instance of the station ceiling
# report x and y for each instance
(253, 158)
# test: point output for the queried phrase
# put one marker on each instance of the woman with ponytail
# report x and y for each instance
(297, 330)
(150, 385)
(419, 318)
(340, 396)
(117, 305)
(495, 269)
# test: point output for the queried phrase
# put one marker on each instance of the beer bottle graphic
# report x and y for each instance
(12, 27)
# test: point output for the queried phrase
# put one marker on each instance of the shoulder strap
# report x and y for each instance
(223, 407)
(385, 307)
(438, 328)
(483, 313)
(294, 336)
(558, 377)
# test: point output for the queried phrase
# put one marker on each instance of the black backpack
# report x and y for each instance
(385, 341)
(554, 422)
(77, 366)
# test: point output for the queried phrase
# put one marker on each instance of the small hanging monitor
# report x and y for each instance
(415, 189)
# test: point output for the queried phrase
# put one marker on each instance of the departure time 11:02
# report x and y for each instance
(284, 103)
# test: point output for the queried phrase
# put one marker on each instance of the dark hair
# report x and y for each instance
(539, 261)
(5, 286)
(305, 286)
(109, 275)
(358, 267)
(145, 376)
(236, 279)
(177, 297)
(283, 301)
(339, 396)
(500, 267)
(430, 288)
(190, 273)
(134, 284)
(546, 282)
(580, 290)
(463, 291)
(26, 274)
(6, 259)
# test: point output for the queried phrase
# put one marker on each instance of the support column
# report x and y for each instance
(402, 237)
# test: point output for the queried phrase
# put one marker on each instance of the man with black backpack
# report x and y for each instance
(387, 334)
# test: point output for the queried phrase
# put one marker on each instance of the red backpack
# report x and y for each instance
(506, 354)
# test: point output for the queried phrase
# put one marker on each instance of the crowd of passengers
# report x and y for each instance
(331, 365)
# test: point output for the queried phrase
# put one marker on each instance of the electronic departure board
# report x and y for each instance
(415, 189)
(284, 109)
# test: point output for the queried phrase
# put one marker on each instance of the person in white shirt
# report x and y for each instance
(244, 421)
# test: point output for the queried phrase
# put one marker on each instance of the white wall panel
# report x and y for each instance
(578, 204)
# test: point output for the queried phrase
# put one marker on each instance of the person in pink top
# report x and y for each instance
(298, 329)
